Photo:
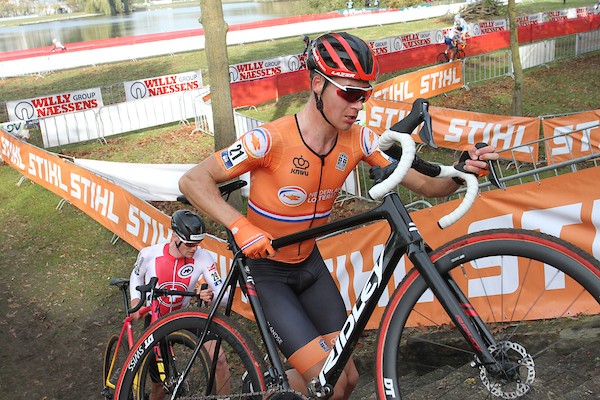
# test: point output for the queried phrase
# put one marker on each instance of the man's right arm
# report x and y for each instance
(199, 185)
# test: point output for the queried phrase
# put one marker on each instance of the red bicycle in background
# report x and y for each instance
(176, 346)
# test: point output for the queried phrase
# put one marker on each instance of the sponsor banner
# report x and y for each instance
(579, 144)
(427, 82)
(584, 12)
(135, 221)
(256, 69)
(55, 104)
(483, 28)
(532, 19)
(562, 206)
(558, 15)
(413, 40)
(384, 46)
(18, 129)
(454, 129)
(166, 84)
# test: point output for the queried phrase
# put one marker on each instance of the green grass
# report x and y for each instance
(106, 75)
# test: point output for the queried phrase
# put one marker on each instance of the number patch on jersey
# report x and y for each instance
(233, 155)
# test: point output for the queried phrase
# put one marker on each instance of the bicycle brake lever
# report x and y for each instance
(426, 131)
(493, 166)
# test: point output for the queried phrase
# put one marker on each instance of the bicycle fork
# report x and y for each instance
(458, 308)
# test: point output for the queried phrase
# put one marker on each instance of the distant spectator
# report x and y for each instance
(367, 3)
(350, 4)
(307, 44)
(376, 3)
(57, 45)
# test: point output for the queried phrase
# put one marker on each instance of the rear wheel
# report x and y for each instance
(238, 370)
(538, 297)
(112, 365)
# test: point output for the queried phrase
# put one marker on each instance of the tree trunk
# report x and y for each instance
(517, 98)
(215, 36)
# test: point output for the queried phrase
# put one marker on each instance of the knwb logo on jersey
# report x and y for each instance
(301, 165)
(292, 195)
(257, 142)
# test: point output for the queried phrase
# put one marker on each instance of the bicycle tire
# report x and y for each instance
(543, 347)
(182, 344)
(460, 54)
(109, 352)
(245, 370)
(442, 58)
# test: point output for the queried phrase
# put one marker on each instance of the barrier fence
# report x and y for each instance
(116, 115)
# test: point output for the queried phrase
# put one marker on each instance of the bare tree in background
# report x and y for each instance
(517, 98)
(215, 36)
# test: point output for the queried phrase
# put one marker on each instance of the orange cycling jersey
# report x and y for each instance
(292, 188)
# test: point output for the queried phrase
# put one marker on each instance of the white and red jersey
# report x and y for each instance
(173, 273)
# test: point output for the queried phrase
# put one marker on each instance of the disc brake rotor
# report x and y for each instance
(518, 371)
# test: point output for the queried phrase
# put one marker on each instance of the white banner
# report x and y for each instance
(149, 182)
(166, 84)
(54, 104)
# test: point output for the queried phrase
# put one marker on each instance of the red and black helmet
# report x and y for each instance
(344, 55)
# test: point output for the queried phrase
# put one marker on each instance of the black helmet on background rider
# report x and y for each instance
(344, 55)
(188, 226)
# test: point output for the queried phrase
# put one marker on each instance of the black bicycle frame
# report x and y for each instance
(404, 239)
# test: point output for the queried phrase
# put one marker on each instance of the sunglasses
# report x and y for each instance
(351, 94)
(191, 244)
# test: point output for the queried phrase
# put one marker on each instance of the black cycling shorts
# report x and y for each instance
(301, 301)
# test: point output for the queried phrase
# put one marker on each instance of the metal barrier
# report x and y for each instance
(512, 171)
(118, 116)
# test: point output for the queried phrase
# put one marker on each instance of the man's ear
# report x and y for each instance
(317, 83)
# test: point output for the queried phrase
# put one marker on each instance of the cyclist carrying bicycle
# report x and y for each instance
(178, 265)
(297, 166)
(453, 39)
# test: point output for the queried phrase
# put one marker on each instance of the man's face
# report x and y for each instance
(341, 112)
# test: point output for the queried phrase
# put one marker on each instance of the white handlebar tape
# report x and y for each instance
(386, 140)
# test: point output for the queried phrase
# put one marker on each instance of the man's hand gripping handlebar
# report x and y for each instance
(406, 156)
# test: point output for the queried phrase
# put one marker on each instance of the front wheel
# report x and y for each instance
(538, 297)
(237, 370)
(176, 352)
(442, 58)
(460, 54)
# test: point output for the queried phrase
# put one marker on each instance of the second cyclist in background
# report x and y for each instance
(178, 265)
(460, 21)
(453, 39)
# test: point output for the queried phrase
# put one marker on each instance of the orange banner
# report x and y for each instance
(454, 129)
(578, 144)
(132, 219)
(425, 83)
(562, 206)
(567, 206)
